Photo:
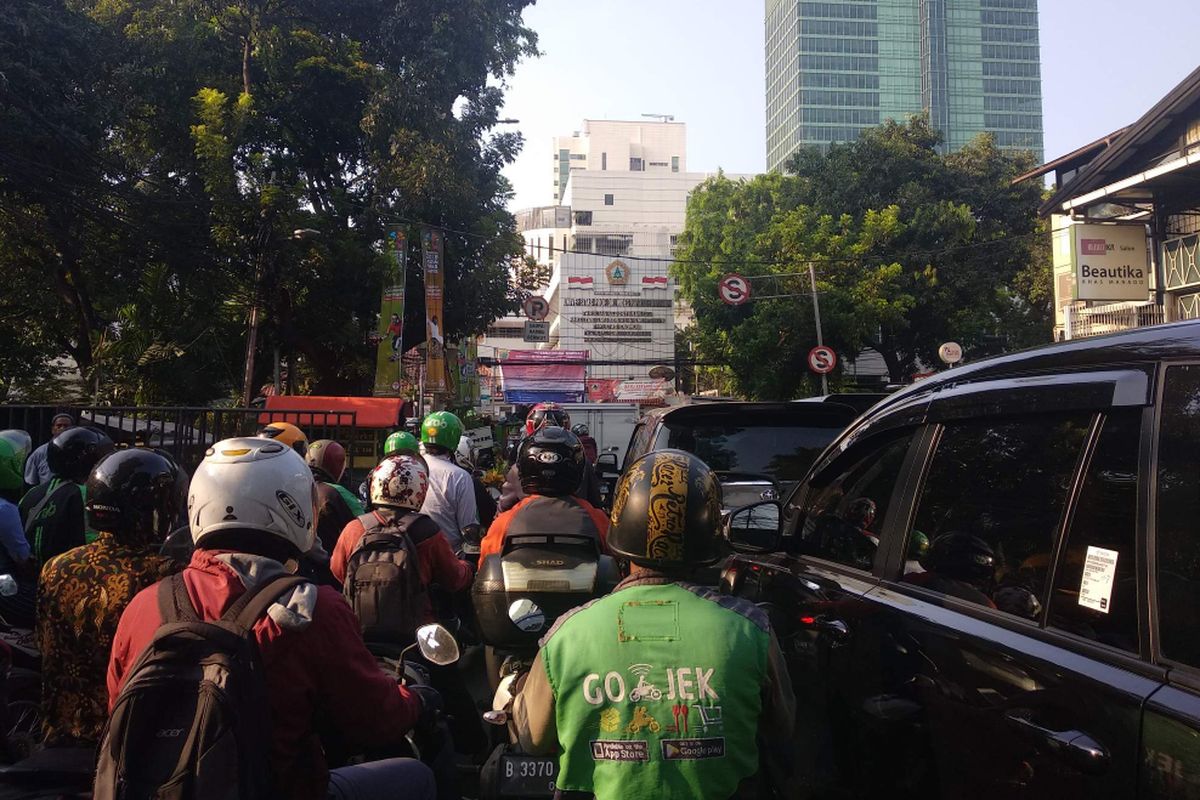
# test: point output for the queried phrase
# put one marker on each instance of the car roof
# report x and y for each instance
(821, 412)
(1147, 344)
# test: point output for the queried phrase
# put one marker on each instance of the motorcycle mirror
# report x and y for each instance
(437, 645)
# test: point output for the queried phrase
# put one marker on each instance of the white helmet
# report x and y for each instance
(465, 454)
(253, 484)
(399, 482)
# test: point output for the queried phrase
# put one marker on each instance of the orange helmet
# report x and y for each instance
(286, 434)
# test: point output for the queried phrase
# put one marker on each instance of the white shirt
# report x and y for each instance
(451, 498)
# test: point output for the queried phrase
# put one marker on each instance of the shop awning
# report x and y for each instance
(369, 412)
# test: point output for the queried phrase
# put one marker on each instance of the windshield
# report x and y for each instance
(781, 452)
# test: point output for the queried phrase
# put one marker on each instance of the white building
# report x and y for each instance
(621, 191)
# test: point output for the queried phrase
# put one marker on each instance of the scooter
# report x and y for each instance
(518, 595)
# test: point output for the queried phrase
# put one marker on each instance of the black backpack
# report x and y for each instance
(383, 581)
(192, 720)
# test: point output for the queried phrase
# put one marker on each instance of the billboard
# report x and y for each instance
(389, 351)
(1111, 262)
(432, 259)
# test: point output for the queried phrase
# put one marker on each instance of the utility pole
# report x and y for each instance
(812, 279)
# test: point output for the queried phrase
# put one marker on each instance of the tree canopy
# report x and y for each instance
(910, 247)
(157, 156)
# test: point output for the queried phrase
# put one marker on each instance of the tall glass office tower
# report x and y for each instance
(835, 68)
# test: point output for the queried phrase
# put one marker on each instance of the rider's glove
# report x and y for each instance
(431, 704)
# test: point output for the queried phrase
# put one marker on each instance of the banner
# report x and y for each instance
(468, 373)
(432, 257)
(389, 365)
(543, 376)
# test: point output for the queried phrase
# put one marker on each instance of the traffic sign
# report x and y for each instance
(950, 352)
(536, 331)
(535, 307)
(822, 359)
(733, 289)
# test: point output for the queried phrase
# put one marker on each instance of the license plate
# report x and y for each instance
(527, 776)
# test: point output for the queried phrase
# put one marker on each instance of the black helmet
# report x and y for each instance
(550, 462)
(74, 452)
(667, 512)
(963, 557)
(581, 429)
(134, 495)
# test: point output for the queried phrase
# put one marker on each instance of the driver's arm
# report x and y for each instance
(533, 711)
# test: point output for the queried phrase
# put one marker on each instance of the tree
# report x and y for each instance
(910, 248)
(163, 152)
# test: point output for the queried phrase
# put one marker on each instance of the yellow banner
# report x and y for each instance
(435, 328)
(389, 362)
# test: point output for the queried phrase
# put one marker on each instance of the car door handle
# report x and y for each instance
(1075, 747)
(836, 629)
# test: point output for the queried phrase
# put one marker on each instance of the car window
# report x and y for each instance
(638, 443)
(843, 514)
(781, 452)
(1178, 511)
(1095, 586)
(991, 506)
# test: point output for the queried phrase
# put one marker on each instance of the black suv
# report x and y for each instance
(759, 450)
(989, 585)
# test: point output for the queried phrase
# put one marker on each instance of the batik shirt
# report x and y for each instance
(80, 600)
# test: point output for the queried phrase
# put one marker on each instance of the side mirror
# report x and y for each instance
(755, 528)
(437, 645)
(606, 463)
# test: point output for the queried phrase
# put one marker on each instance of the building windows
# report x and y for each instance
(1021, 122)
(813, 44)
(814, 97)
(608, 199)
(1015, 35)
(1011, 69)
(674, 163)
(583, 218)
(1006, 86)
(837, 27)
(583, 244)
(837, 80)
(1026, 19)
(837, 10)
(839, 63)
(604, 161)
(636, 164)
(1011, 52)
(657, 163)
(578, 157)
(615, 244)
(852, 116)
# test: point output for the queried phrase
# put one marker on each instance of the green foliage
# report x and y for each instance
(911, 248)
(156, 156)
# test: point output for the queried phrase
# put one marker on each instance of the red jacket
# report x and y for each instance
(321, 671)
(435, 560)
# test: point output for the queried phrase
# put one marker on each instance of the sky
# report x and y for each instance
(1104, 64)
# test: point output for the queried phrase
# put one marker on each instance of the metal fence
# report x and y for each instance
(186, 432)
(1082, 322)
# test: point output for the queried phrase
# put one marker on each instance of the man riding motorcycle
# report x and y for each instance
(451, 498)
(662, 688)
(336, 507)
(251, 517)
(549, 466)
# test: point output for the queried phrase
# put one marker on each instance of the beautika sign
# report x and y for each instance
(1111, 262)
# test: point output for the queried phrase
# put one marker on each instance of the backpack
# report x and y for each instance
(383, 581)
(192, 719)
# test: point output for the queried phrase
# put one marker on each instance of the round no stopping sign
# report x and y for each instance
(733, 289)
(822, 359)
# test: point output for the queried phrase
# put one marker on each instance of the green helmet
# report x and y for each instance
(442, 429)
(400, 443)
(12, 467)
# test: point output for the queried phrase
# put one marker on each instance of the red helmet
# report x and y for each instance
(544, 414)
(328, 458)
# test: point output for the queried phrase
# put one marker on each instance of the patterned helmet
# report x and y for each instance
(667, 512)
(12, 466)
(544, 414)
(399, 482)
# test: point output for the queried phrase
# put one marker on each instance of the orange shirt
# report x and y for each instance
(493, 542)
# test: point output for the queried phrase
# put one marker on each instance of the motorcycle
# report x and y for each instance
(518, 595)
